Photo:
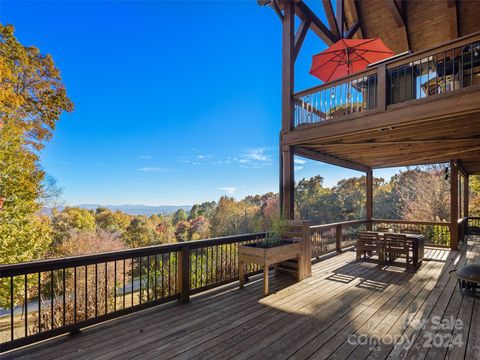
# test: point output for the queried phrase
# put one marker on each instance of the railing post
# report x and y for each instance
(338, 237)
(307, 248)
(183, 274)
(453, 205)
(382, 90)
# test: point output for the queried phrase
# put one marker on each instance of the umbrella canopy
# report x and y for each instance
(348, 56)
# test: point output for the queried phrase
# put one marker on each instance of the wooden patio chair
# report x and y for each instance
(397, 245)
(411, 231)
(369, 243)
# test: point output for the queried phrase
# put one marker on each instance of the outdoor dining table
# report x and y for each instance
(418, 246)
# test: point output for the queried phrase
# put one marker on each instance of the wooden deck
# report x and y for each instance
(346, 310)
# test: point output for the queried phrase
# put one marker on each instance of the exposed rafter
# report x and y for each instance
(304, 12)
(332, 22)
(396, 9)
(340, 15)
(452, 18)
(352, 7)
(300, 36)
(310, 154)
(353, 29)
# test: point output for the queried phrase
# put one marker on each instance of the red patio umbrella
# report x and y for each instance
(348, 56)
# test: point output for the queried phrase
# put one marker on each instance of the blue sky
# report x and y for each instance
(175, 102)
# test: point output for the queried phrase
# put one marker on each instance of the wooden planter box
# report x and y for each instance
(252, 254)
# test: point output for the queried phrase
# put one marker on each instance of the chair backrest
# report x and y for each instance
(382, 229)
(411, 231)
(368, 236)
(395, 241)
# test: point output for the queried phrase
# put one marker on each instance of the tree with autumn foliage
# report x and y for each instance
(32, 98)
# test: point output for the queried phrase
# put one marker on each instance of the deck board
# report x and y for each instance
(316, 318)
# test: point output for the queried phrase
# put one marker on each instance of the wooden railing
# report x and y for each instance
(42, 299)
(436, 233)
(473, 227)
(327, 238)
(442, 69)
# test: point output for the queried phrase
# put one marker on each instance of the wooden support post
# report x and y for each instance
(338, 238)
(466, 194)
(183, 274)
(369, 202)
(265, 280)
(307, 247)
(453, 205)
(288, 62)
(287, 187)
(382, 90)
(241, 273)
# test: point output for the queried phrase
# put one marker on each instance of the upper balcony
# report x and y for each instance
(409, 102)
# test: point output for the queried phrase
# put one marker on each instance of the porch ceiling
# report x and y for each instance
(434, 141)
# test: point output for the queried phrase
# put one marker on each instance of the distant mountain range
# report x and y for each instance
(134, 209)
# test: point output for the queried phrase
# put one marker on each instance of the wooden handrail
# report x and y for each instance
(7, 270)
(351, 222)
(414, 222)
(334, 83)
(462, 41)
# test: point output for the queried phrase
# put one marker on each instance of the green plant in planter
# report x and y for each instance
(274, 235)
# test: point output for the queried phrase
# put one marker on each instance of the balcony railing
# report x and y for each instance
(446, 68)
(46, 298)
(436, 233)
(327, 238)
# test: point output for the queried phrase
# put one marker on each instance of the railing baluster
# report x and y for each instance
(106, 288)
(115, 285)
(96, 289)
(140, 292)
(52, 296)
(64, 289)
(123, 298)
(131, 277)
(74, 294)
(12, 310)
(163, 276)
(86, 292)
(453, 70)
(148, 278)
(155, 276)
(25, 296)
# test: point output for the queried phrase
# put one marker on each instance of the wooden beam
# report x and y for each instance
(304, 12)
(332, 22)
(466, 194)
(453, 205)
(352, 6)
(397, 12)
(288, 65)
(340, 16)
(452, 18)
(288, 185)
(396, 9)
(310, 154)
(369, 202)
(300, 36)
(353, 29)
(436, 157)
